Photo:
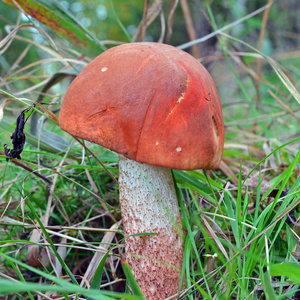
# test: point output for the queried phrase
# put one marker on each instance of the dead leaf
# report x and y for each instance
(152, 12)
(51, 115)
(2, 107)
(253, 181)
(104, 245)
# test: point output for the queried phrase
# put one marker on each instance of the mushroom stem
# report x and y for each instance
(149, 205)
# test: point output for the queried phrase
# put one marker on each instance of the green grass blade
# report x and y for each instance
(190, 234)
(9, 287)
(62, 286)
(64, 265)
(289, 270)
(21, 278)
(131, 280)
(63, 26)
(96, 282)
(120, 23)
(267, 286)
(272, 152)
(186, 262)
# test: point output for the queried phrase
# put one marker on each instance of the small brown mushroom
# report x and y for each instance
(157, 107)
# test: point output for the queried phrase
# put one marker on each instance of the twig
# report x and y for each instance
(171, 16)
(261, 39)
(100, 162)
(18, 163)
(144, 21)
(190, 26)
(284, 105)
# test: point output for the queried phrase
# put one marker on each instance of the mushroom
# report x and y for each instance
(158, 107)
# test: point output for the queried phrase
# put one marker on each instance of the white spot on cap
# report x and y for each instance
(157, 143)
(180, 98)
(104, 69)
(178, 149)
(177, 102)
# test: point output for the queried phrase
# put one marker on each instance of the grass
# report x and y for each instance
(61, 223)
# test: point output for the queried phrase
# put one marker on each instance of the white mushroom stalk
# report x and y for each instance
(149, 205)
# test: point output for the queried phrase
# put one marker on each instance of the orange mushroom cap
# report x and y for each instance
(151, 102)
